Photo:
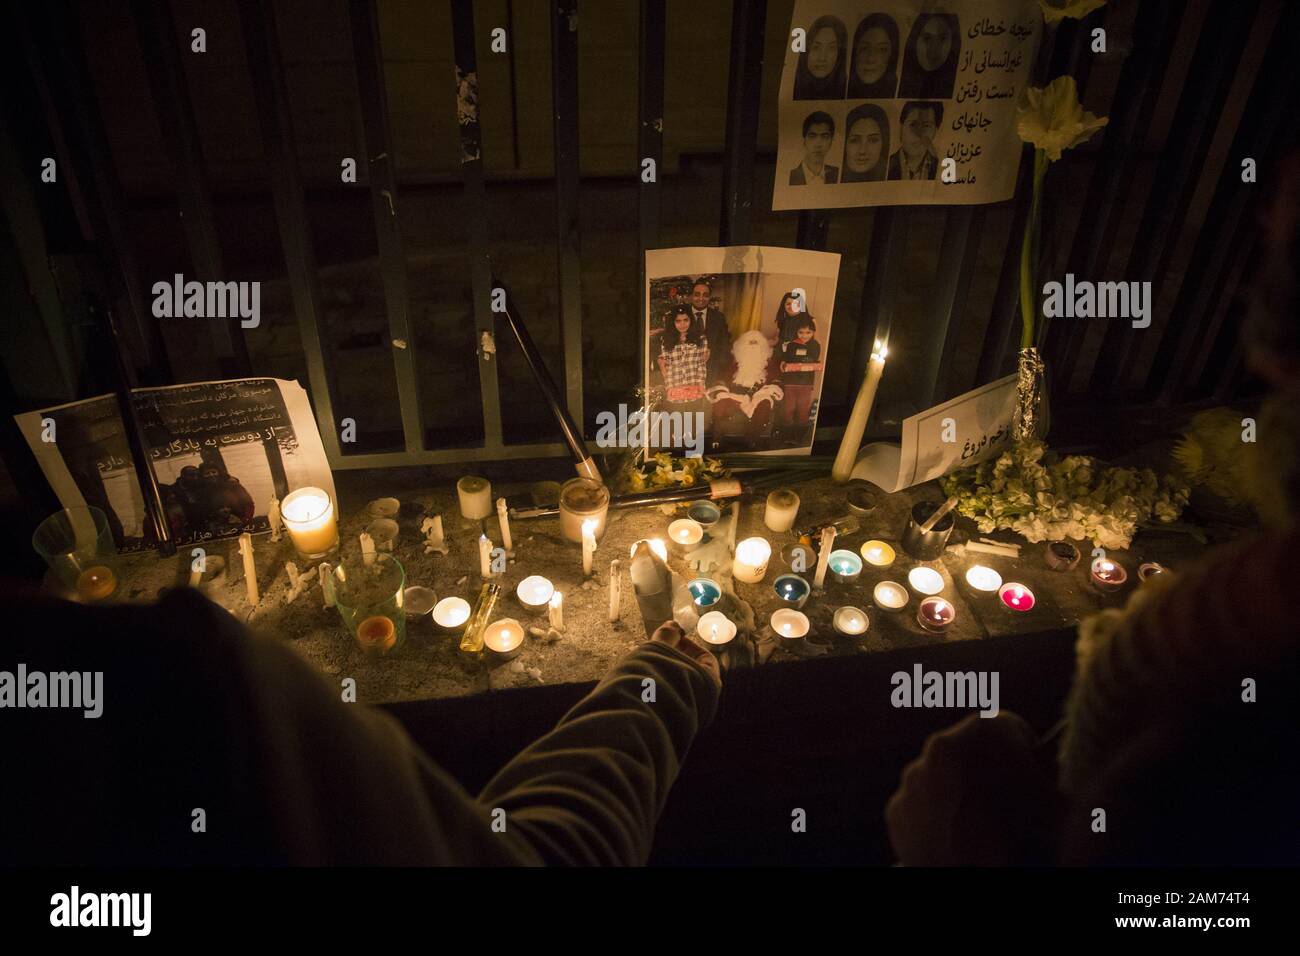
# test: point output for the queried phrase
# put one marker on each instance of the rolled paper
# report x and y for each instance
(851, 441)
(556, 611)
(614, 595)
(250, 568)
(1005, 551)
(505, 525)
(367, 548)
(782, 509)
(475, 496)
(824, 556)
(484, 557)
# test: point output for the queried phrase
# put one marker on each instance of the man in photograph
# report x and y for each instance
(717, 336)
(916, 159)
(818, 134)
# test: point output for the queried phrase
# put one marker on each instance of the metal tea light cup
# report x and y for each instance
(791, 591)
(706, 514)
(928, 545)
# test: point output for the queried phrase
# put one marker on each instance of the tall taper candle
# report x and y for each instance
(851, 442)
(824, 555)
(556, 611)
(367, 549)
(484, 557)
(250, 568)
(615, 589)
(505, 525)
(588, 545)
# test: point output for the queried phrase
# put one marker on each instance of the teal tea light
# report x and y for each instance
(845, 566)
(705, 593)
(791, 590)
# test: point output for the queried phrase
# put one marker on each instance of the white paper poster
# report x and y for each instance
(903, 102)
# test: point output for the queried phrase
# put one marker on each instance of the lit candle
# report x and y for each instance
(824, 556)
(505, 525)
(789, 624)
(588, 545)
(614, 594)
(1107, 575)
(484, 557)
(878, 554)
(845, 566)
(376, 634)
(685, 534)
(782, 508)
(850, 620)
(1016, 596)
(935, 614)
(792, 590)
(750, 564)
(367, 548)
(96, 583)
(704, 593)
(715, 630)
(308, 515)
(983, 578)
(925, 580)
(1151, 570)
(851, 440)
(534, 593)
(250, 568)
(890, 596)
(475, 495)
(273, 517)
(504, 638)
(556, 615)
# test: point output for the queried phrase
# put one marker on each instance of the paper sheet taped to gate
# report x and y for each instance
(903, 102)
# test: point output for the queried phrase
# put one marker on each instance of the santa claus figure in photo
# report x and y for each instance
(744, 401)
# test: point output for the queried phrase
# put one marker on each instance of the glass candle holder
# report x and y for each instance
(845, 566)
(313, 526)
(78, 545)
(582, 499)
(791, 590)
(371, 600)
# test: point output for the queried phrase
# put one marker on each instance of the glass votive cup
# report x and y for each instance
(367, 596)
(791, 590)
(78, 545)
(309, 517)
(935, 614)
(580, 499)
(928, 545)
(844, 566)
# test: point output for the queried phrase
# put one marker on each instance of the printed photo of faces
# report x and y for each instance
(843, 141)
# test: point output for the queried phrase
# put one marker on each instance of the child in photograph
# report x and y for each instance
(916, 158)
(683, 360)
(801, 360)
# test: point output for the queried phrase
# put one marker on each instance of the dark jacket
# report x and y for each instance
(832, 174)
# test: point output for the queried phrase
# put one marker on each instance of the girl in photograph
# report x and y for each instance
(801, 360)
(866, 145)
(873, 71)
(820, 74)
(930, 60)
(683, 360)
(787, 318)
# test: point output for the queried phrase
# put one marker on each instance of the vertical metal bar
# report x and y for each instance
(514, 85)
(650, 140)
(162, 61)
(262, 45)
(471, 164)
(957, 257)
(1224, 300)
(813, 226)
(880, 290)
(744, 85)
(564, 102)
(383, 193)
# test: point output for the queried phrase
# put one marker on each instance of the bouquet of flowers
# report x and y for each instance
(666, 471)
(1047, 497)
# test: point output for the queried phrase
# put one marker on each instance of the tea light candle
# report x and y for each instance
(451, 614)
(534, 593)
(851, 621)
(1017, 596)
(935, 614)
(376, 634)
(588, 545)
(484, 557)
(1107, 575)
(96, 583)
(925, 580)
(475, 495)
(1151, 570)
(555, 614)
(685, 534)
(845, 566)
(792, 590)
(890, 596)
(308, 514)
(878, 554)
(704, 593)
(750, 564)
(715, 630)
(1060, 555)
(504, 519)
(789, 624)
(824, 556)
(504, 639)
(983, 578)
(782, 508)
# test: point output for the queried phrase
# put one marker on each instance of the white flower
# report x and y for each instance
(1052, 119)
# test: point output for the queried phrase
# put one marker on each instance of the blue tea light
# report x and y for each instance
(705, 593)
(845, 566)
(791, 590)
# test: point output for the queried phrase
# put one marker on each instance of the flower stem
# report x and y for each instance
(1029, 253)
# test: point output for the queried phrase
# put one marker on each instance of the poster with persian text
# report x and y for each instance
(903, 102)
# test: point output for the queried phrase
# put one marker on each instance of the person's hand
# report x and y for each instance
(978, 795)
(672, 634)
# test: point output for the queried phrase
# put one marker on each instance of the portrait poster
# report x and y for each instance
(736, 340)
(886, 92)
(218, 450)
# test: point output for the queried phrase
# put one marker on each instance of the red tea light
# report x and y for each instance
(935, 614)
(1107, 575)
(1017, 597)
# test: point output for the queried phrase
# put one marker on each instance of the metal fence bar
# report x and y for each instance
(383, 193)
(471, 164)
(812, 230)
(1217, 321)
(744, 84)
(650, 142)
(958, 254)
(564, 104)
(880, 289)
(262, 46)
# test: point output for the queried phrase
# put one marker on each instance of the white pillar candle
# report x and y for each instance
(505, 525)
(367, 549)
(475, 495)
(782, 508)
(534, 592)
(851, 441)
(557, 611)
(309, 516)
(615, 590)
(824, 555)
(273, 517)
(588, 545)
(326, 587)
(484, 557)
(250, 568)
(750, 563)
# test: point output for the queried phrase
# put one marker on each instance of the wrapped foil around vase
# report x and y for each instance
(1027, 422)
